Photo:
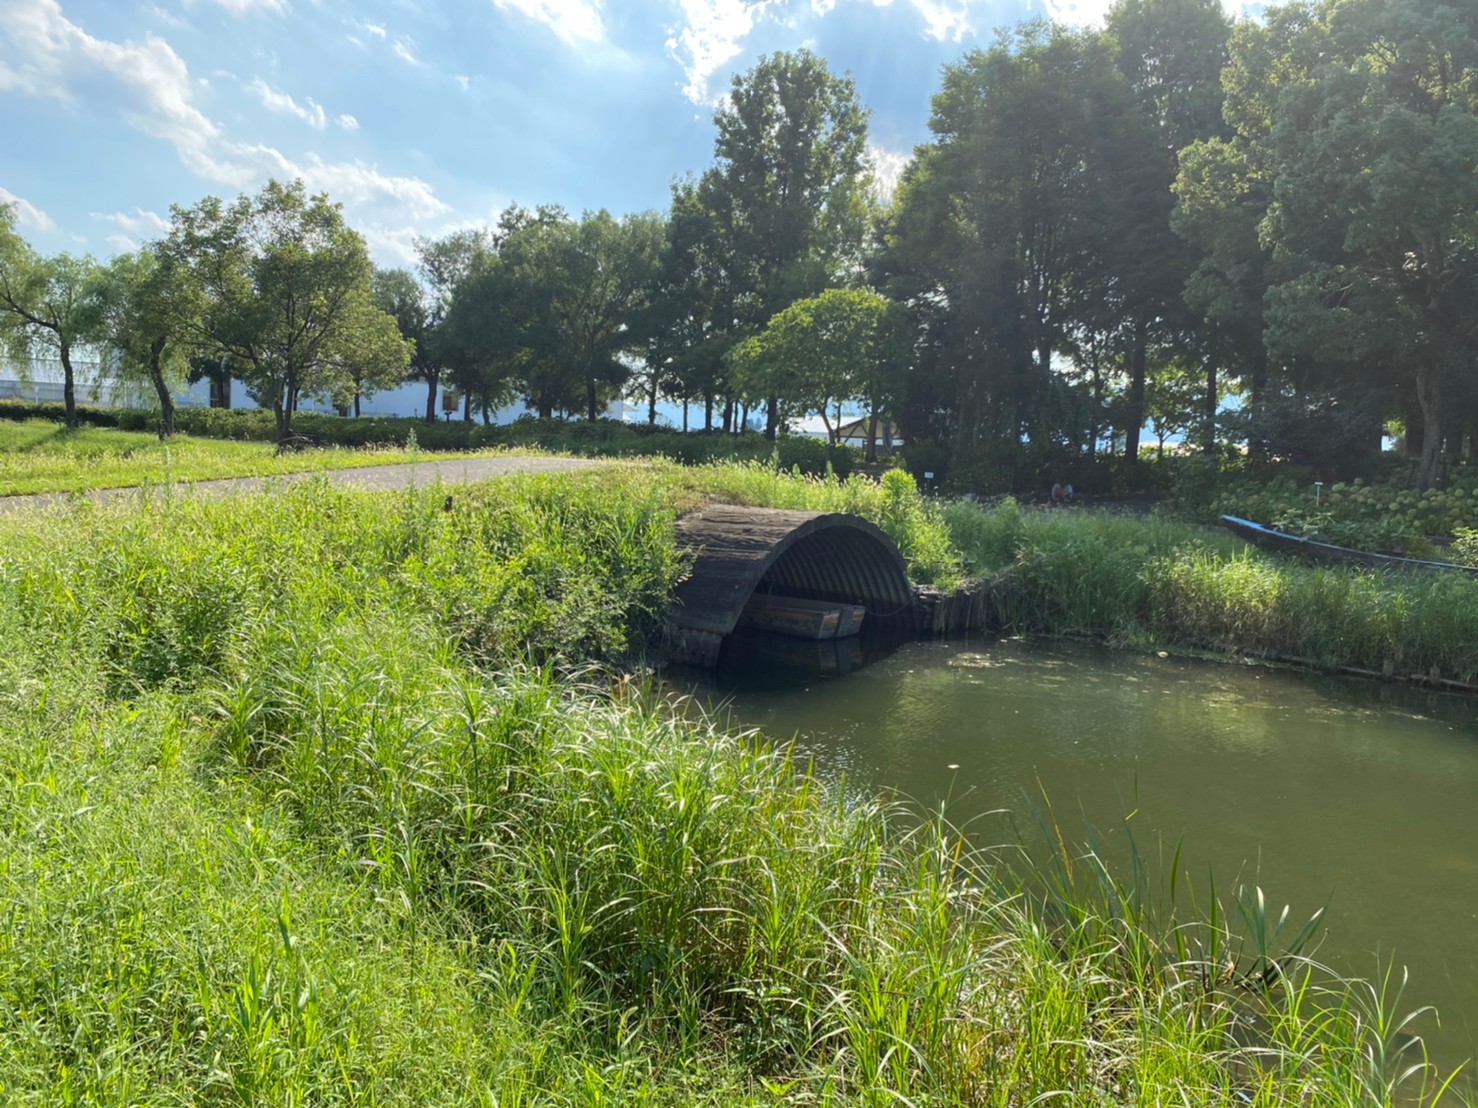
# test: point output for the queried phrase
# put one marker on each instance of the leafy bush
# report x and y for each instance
(591, 438)
(1385, 516)
(56, 413)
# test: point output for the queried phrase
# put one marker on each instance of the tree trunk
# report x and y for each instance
(1097, 427)
(685, 415)
(433, 384)
(1429, 396)
(729, 415)
(1415, 436)
(283, 416)
(1257, 447)
(356, 405)
(467, 407)
(166, 402)
(743, 418)
(871, 454)
(69, 384)
(546, 409)
(1135, 419)
(591, 413)
(1208, 441)
(652, 405)
(772, 417)
(708, 410)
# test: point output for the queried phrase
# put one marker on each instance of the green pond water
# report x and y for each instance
(1319, 790)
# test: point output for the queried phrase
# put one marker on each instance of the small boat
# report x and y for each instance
(802, 618)
(1280, 542)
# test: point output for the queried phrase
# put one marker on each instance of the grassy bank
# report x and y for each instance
(42, 456)
(343, 436)
(306, 802)
(1154, 582)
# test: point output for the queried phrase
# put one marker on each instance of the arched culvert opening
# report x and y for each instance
(820, 556)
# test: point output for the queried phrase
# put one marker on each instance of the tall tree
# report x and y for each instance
(397, 293)
(789, 192)
(688, 324)
(1003, 225)
(149, 308)
(446, 264)
(593, 279)
(1352, 169)
(1171, 52)
(286, 294)
(1375, 166)
(47, 305)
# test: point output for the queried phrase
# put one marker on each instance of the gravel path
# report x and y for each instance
(446, 470)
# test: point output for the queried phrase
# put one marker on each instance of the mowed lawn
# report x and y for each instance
(38, 456)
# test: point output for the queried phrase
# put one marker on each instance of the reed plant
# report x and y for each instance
(1151, 581)
(311, 798)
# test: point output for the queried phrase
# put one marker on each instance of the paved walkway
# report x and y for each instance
(446, 470)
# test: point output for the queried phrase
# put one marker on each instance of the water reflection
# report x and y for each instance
(1317, 788)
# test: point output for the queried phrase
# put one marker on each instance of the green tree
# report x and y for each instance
(1003, 235)
(584, 285)
(788, 196)
(47, 305)
(1374, 200)
(1171, 53)
(285, 291)
(398, 294)
(149, 309)
(824, 352)
(446, 264)
(687, 325)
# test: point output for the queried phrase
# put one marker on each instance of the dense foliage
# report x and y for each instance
(1109, 230)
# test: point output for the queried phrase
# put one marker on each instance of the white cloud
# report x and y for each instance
(709, 36)
(1086, 13)
(887, 168)
(168, 18)
(348, 122)
(405, 48)
(122, 243)
(26, 213)
(948, 20)
(376, 29)
(243, 7)
(1078, 12)
(278, 101)
(573, 21)
(137, 222)
(463, 82)
(45, 55)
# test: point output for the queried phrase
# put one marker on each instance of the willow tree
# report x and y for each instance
(148, 309)
(48, 305)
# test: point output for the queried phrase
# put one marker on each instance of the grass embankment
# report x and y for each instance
(1154, 582)
(286, 818)
(39, 456)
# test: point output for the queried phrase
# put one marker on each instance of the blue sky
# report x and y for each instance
(422, 117)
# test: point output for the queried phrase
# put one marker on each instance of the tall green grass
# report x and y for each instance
(1152, 581)
(306, 800)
